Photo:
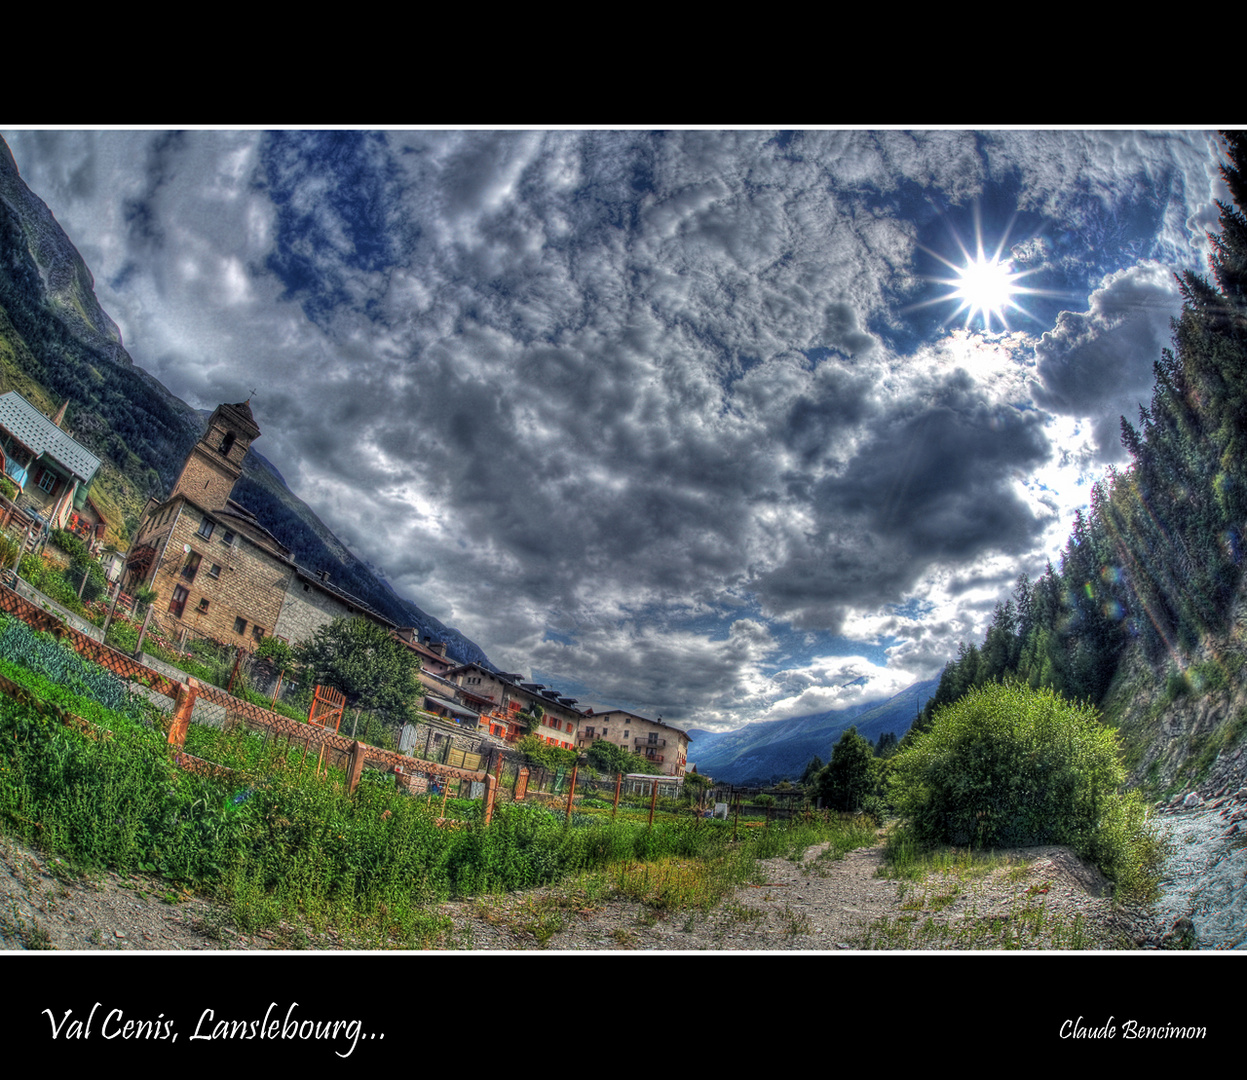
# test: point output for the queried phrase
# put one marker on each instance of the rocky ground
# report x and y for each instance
(1037, 898)
(1207, 869)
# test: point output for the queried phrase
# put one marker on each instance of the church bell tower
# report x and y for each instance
(215, 461)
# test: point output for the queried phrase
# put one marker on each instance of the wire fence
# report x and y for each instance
(339, 750)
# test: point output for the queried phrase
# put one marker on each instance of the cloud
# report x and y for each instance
(1098, 363)
(620, 385)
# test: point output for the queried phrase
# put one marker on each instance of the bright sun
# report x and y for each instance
(986, 285)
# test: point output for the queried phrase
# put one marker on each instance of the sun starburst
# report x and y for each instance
(985, 287)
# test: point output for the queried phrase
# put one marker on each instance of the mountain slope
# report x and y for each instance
(58, 343)
(773, 750)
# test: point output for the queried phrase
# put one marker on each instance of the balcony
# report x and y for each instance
(641, 742)
(15, 471)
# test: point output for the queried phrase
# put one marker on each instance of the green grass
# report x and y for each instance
(907, 859)
(278, 846)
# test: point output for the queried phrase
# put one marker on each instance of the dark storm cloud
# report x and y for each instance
(1098, 363)
(938, 478)
(930, 483)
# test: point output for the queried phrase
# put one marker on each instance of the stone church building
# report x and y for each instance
(215, 569)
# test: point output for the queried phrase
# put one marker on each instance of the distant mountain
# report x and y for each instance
(58, 343)
(773, 750)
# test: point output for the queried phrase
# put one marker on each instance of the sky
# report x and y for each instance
(707, 424)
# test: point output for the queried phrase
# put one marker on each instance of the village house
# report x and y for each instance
(312, 600)
(216, 571)
(441, 693)
(52, 470)
(503, 699)
(661, 743)
(433, 659)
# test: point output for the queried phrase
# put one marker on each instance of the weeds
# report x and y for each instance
(794, 923)
(740, 913)
(1026, 925)
(275, 847)
(30, 934)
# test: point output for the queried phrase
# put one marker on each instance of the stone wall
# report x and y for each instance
(429, 739)
(238, 585)
(305, 609)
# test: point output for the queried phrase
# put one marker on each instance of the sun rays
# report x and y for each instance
(985, 287)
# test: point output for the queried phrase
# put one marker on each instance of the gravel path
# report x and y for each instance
(1035, 898)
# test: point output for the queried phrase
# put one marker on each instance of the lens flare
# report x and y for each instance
(986, 287)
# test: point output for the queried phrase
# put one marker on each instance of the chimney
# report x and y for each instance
(60, 413)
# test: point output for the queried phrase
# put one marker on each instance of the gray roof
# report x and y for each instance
(36, 431)
(452, 706)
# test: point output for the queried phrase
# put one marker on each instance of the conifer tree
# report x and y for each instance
(1160, 554)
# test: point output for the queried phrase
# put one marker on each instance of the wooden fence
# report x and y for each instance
(328, 744)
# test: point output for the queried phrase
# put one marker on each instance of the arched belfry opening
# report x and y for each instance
(215, 461)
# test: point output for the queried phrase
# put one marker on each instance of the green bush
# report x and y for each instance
(544, 755)
(1008, 766)
(608, 759)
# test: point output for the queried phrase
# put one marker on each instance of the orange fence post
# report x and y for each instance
(491, 791)
(571, 795)
(182, 716)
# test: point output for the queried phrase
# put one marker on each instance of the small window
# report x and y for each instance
(228, 538)
(192, 566)
(47, 481)
(257, 632)
(203, 603)
(240, 625)
(215, 571)
(178, 604)
(205, 530)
